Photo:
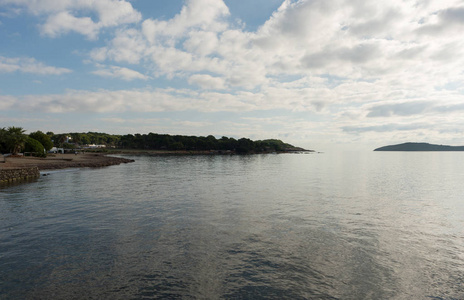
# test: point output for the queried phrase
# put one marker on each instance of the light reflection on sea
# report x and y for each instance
(371, 226)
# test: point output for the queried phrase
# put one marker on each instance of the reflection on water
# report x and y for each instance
(374, 226)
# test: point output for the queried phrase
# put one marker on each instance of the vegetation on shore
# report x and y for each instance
(154, 141)
(13, 139)
(420, 147)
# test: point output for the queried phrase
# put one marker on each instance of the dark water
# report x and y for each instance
(321, 226)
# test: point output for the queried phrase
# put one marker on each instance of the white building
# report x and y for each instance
(56, 150)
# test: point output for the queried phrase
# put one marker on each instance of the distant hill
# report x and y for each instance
(420, 147)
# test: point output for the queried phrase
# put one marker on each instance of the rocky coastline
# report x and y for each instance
(20, 173)
(63, 161)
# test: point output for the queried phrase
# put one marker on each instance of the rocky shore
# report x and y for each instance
(63, 161)
(20, 173)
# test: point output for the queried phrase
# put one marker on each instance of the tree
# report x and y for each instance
(43, 138)
(3, 146)
(176, 146)
(76, 138)
(59, 139)
(244, 145)
(34, 146)
(68, 146)
(15, 139)
(85, 139)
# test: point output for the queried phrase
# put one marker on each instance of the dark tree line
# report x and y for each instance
(153, 141)
(77, 138)
(13, 140)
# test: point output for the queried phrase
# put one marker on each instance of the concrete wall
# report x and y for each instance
(7, 175)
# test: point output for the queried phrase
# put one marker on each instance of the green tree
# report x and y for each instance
(59, 139)
(34, 146)
(15, 139)
(176, 146)
(3, 146)
(76, 138)
(85, 139)
(244, 145)
(43, 138)
(68, 146)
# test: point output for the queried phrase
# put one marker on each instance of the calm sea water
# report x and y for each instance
(313, 226)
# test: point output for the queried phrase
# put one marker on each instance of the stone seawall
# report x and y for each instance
(13, 174)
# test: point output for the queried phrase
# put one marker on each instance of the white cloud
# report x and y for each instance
(28, 65)
(7, 67)
(447, 20)
(7, 102)
(63, 22)
(119, 72)
(114, 120)
(192, 124)
(352, 65)
(206, 81)
(201, 15)
(162, 100)
(127, 46)
(346, 39)
(201, 43)
(64, 16)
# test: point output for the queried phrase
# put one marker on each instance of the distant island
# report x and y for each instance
(420, 147)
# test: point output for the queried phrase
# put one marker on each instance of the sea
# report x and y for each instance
(351, 225)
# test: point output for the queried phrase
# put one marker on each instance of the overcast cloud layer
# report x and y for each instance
(317, 73)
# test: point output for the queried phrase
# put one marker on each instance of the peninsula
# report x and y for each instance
(64, 161)
(28, 154)
(14, 140)
(19, 168)
(420, 147)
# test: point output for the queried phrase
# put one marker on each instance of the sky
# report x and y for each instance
(321, 74)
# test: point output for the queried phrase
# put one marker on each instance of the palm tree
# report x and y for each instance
(15, 139)
(3, 147)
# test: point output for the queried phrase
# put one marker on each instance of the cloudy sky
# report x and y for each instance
(322, 74)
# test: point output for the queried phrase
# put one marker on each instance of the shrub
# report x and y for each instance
(35, 147)
(44, 139)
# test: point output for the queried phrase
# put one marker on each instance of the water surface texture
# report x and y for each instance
(325, 226)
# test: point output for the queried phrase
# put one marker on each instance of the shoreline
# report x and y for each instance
(136, 152)
(63, 161)
(23, 164)
(103, 159)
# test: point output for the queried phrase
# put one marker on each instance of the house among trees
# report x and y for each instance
(56, 150)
